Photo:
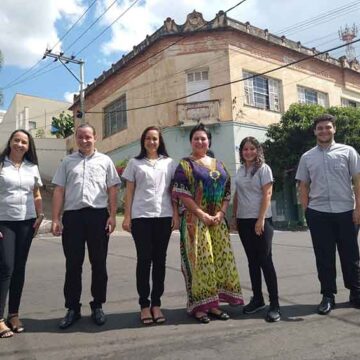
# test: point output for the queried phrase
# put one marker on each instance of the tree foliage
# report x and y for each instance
(294, 135)
(62, 126)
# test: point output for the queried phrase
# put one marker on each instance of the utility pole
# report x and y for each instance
(65, 60)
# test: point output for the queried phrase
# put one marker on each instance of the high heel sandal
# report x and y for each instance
(7, 333)
(158, 319)
(19, 328)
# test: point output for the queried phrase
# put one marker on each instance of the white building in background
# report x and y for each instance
(35, 114)
(2, 114)
(31, 113)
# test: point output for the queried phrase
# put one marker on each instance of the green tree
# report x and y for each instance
(294, 135)
(62, 126)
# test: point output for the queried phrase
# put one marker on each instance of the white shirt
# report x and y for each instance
(329, 172)
(152, 196)
(249, 190)
(86, 180)
(16, 190)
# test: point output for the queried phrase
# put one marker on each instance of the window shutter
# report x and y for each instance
(301, 95)
(322, 99)
(274, 94)
(249, 89)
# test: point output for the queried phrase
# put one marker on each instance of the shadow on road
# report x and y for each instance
(118, 321)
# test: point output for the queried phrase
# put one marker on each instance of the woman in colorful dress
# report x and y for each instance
(150, 216)
(202, 184)
(252, 210)
(20, 217)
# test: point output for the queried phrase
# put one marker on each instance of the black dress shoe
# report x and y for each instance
(327, 303)
(254, 306)
(70, 318)
(98, 316)
(354, 300)
(273, 313)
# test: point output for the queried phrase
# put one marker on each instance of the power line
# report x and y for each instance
(91, 25)
(74, 24)
(102, 32)
(16, 82)
(170, 45)
(226, 83)
(317, 18)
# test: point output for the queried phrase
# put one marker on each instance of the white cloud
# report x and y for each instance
(69, 96)
(146, 18)
(26, 30)
(274, 15)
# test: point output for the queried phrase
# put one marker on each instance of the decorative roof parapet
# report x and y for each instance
(170, 26)
(196, 23)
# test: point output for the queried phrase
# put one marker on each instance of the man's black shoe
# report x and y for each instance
(98, 316)
(254, 306)
(70, 318)
(327, 303)
(354, 300)
(273, 313)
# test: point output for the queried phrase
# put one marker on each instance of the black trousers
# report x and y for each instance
(85, 226)
(328, 231)
(259, 255)
(14, 249)
(151, 236)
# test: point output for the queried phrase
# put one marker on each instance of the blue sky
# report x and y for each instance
(27, 28)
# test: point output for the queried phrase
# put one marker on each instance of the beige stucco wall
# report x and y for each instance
(165, 80)
(225, 55)
(39, 110)
(323, 77)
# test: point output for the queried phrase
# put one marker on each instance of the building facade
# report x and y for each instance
(213, 72)
(31, 113)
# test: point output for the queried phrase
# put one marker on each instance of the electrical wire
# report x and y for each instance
(90, 26)
(16, 82)
(334, 12)
(226, 83)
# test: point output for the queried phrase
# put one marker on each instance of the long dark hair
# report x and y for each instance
(161, 149)
(259, 160)
(30, 155)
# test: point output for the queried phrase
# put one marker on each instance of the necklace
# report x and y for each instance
(211, 166)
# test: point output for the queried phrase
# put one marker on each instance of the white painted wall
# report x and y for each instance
(50, 153)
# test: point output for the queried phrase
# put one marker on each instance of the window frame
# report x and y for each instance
(322, 98)
(345, 102)
(262, 87)
(115, 111)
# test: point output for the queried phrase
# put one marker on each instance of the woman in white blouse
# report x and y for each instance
(150, 216)
(20, 217)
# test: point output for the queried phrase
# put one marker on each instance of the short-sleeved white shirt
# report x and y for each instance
(329, 172)
(152, 196)
(249, 190)
(86, 180)
(16, 190)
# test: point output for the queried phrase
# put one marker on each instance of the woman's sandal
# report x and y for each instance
(222, 315)
(18, 328)
(158, 319)
(204, 318)
(147, 320)
(7, 333)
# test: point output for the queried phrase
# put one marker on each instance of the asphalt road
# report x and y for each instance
(302, 334)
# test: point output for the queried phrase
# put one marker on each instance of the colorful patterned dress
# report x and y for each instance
(207, 259)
